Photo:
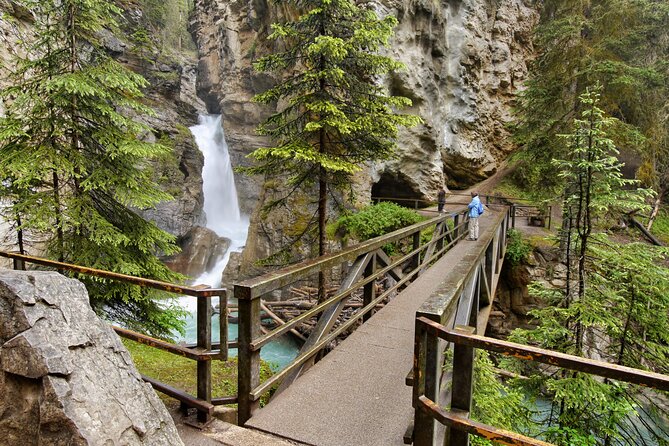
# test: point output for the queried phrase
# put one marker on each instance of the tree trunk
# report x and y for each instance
(322, 214)
(59, 218)
(653, 214)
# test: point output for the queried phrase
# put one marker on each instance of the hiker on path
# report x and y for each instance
(441, 200)
(475, 211)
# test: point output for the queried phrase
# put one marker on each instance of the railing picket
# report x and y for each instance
(463, 384)
(248, 359)
(204, 344)
(369, 290)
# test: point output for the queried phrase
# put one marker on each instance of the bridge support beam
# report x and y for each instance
(463, 380)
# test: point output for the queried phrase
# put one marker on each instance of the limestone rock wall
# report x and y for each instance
(65, 377)
(465, 60)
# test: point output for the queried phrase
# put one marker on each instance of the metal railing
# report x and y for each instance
(369, 264)
(203, 351)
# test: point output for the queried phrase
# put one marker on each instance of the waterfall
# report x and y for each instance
(221, 205)
(221, 208)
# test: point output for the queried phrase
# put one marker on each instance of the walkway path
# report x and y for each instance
(357, 394)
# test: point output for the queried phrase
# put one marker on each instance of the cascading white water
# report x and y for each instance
(221, 205)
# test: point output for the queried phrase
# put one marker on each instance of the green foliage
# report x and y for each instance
(333, 115)
(495, 403)
(374, 221)
(613, 305)
(620, 44)
(517, 249)
(169, 21)
(75, 167)
(660, 227)
(181, 373)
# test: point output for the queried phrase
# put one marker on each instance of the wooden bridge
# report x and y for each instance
(385, 383)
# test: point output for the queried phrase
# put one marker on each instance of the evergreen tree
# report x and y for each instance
(621, 44)
(333, 114)
(74, 162)
(597, 315)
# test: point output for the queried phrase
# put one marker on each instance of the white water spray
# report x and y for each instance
(221, 205)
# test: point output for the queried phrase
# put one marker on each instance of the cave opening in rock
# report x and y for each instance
(397, 187)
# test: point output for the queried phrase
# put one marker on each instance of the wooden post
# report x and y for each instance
(248, 363)
(425, 382)
(440, 232)
(369, 290)
(456, 229)
(19, 264)
(415, 261)
(513, 215)
(550, 216)
(463, 378)
(204, 343)
(223, 325)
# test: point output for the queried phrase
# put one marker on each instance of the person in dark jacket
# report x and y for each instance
(475, 210)
(441, 200)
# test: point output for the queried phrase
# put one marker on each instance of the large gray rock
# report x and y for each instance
(201, 248)
(65, 377)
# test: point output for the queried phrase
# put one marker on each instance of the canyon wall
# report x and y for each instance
(465, 60)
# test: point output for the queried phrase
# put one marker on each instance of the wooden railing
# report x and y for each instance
(465, 341)
(203, 351)
(368, 264)
(451, 318)
(464, 298)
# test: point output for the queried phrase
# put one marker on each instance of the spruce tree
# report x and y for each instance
(607, 300)
(621, 44)
(333, 113)
(75, 163)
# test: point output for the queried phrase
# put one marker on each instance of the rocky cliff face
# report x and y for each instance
(465, 61)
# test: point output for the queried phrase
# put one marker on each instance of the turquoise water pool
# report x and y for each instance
(278, 353)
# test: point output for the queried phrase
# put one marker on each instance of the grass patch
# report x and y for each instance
(181, 372)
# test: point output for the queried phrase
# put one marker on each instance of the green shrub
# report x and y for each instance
(517, 249)
(374, 221)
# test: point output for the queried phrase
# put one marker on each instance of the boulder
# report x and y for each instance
(201, 248)
(66, 378)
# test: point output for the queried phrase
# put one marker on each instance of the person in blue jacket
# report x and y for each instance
(475, 211)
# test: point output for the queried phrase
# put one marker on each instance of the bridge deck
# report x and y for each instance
(357, 394)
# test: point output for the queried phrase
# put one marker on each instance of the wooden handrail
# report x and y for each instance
(461, 422)
(256, 287)
(203, 353)
(563, 360)
(140, 281)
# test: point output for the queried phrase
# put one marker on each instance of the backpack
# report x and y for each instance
(480, 209)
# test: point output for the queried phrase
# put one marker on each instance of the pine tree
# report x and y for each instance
(333, 114)
(606, 301)
(74, 161)
(621, 44)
